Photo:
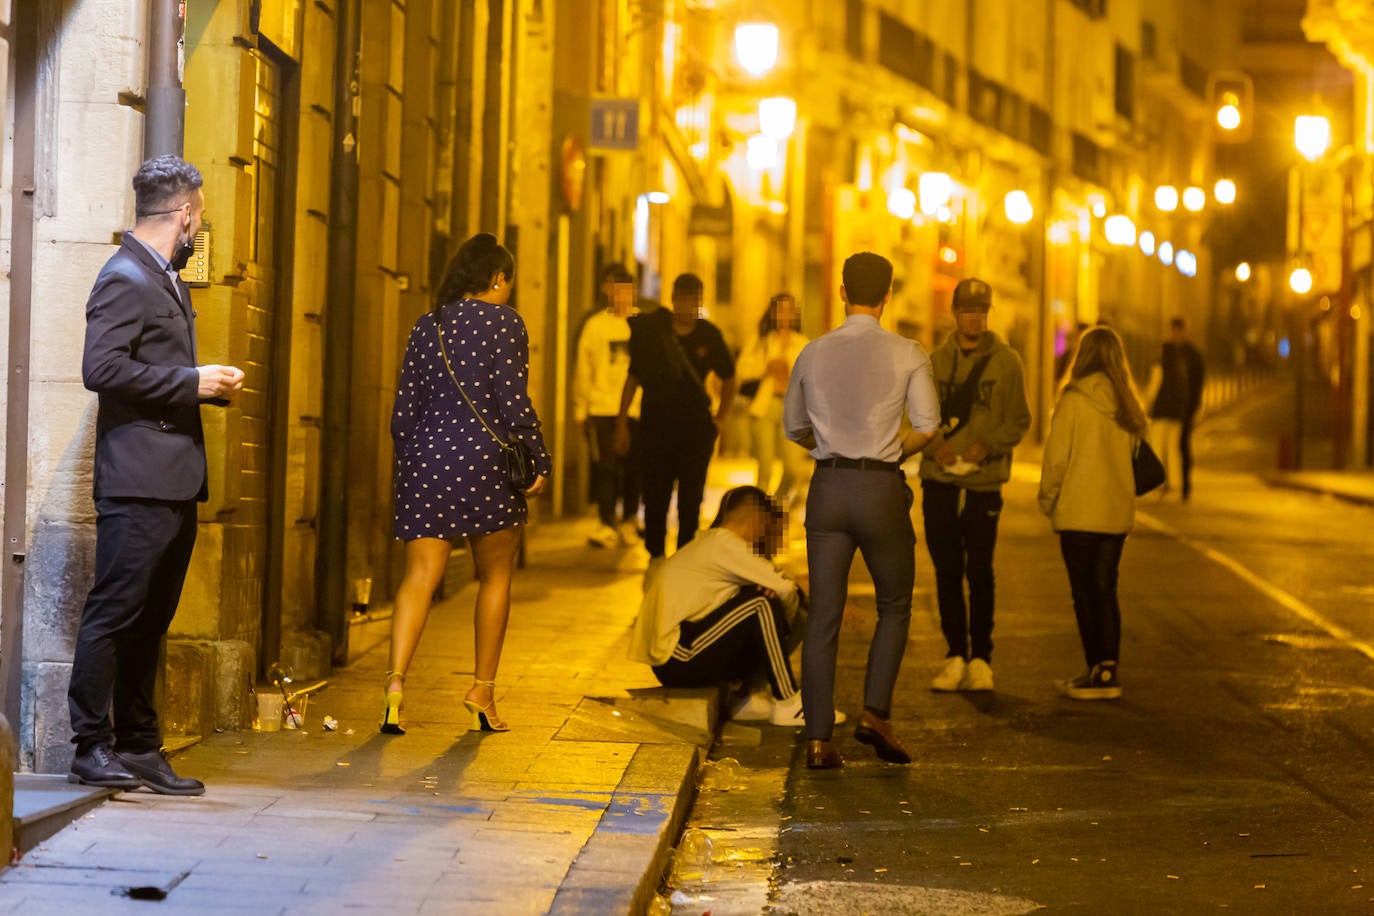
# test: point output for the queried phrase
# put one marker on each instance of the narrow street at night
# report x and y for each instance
(1237, 771)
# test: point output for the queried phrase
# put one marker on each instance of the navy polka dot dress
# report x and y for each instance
(450, 473)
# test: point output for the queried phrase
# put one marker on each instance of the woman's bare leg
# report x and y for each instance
(426, 559)
(494, 556)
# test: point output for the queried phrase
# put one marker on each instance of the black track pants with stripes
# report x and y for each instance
(745, 634)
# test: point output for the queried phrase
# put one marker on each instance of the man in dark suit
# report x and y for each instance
(140, 358)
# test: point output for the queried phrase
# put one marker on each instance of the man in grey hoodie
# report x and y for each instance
(984, 414)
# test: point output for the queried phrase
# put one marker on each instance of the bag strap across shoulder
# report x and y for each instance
(443, 352)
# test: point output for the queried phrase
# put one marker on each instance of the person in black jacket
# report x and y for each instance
(150, 471)
(671, 354)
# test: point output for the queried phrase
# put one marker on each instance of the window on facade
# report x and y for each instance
(1125, 83)
(854, 28)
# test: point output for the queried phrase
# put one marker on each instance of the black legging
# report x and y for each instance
(1092, 560)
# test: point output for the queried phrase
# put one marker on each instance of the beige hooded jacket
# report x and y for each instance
(1086, 482)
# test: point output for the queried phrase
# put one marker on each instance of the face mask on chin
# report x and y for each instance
(186, 246)
(972, 324)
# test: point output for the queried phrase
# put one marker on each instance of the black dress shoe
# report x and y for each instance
(821, 755)
(153, 771)
(100, 767)
(878, 733)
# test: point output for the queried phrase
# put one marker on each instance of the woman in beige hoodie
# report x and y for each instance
(1088, 490)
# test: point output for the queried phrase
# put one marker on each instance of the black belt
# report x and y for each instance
(859, 464)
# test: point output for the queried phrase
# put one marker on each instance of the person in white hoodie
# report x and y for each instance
(603, 362)
(1087, 488)
(765, 367)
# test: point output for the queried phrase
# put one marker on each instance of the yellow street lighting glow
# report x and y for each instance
(1224, 192)
(1228, 115)
(762, 153)
(777, 117)
(1018, 207)
(1243, 271)
(1312, 136)
(1166, 198)
(936, 190)
(1166, 253)
(901, 203)
(1300, 281)
(1194, 199)
(756, 47)
(1099, 209)
(1120, 230)
(944, 215)
(657, 197)
(1147, 243)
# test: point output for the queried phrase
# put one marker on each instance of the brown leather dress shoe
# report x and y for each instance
(878, 733)
(821, 755)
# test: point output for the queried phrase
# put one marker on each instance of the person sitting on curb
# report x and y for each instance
(718, 610)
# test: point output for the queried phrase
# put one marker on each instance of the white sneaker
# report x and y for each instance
(605, 537)
(951, 676)
(978, 676)
(790, 712)
(756, 707)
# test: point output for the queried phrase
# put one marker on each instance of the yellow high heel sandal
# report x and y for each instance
(391, 715)
(484, 718)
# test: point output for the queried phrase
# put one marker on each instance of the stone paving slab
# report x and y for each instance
(572, 811)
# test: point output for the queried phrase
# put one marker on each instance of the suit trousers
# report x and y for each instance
(142, 549)
(864, 510)
(961, 534)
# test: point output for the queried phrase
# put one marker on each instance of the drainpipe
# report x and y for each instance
(25, 37)
(164, 127)
(332, 563)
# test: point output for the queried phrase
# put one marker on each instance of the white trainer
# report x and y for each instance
(951, 676)
(605, 537)
(978, 676)
(756, 707)
(790, 712)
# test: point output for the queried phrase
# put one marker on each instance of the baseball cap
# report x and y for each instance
(972, 294)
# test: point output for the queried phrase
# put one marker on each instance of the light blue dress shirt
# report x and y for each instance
(850, 387)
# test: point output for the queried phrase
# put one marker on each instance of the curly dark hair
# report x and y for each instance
(163, 184)
(478, 260)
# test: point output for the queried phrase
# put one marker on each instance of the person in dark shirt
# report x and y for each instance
(1174, 393)
(672, 351)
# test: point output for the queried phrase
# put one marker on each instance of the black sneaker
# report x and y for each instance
(100, 767)
(153, 771)
(1098, 684)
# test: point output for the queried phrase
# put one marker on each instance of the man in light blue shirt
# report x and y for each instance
(845, 402)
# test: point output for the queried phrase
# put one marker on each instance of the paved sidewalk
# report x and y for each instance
(571, 811)
(1351, 486)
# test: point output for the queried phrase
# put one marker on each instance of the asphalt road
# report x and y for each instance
(1237, 772)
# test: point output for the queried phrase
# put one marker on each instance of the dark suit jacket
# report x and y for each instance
(140, 358)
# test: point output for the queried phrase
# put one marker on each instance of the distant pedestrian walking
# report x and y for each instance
(1174, 393)
(603, 363)
(463, 387)
(764, 368)
(672, 352)
(719, 610)
(984, 415)
(1087, 488)
(849, 391)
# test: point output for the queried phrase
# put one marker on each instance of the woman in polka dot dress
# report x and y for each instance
(450, 471)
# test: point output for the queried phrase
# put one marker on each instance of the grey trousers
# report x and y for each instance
(868, 511)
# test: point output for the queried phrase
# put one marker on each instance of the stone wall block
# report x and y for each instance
(235, 664)
(46, 718)
(94, 194)
(61, 453)
(58, 573)
(198, 614)
(306, 653)
(64, 272)
(188, 702)
(317, 69)
(102, 51)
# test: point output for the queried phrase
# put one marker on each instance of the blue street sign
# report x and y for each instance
(615, 124)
